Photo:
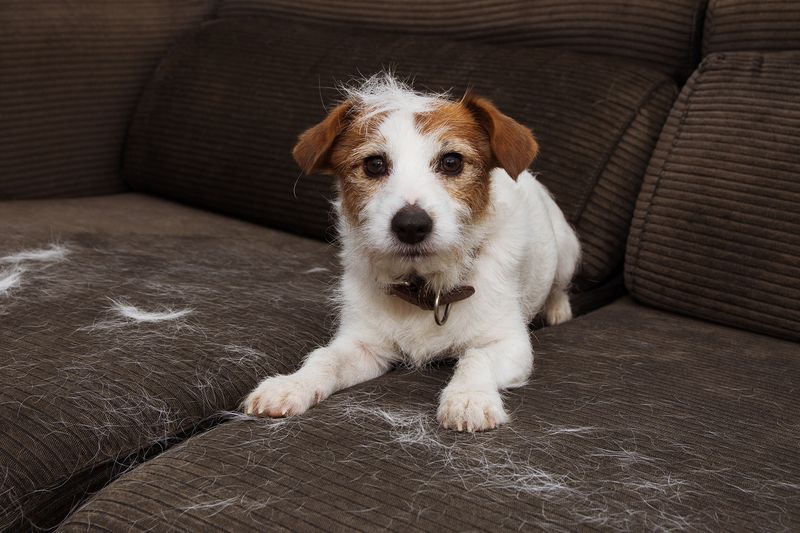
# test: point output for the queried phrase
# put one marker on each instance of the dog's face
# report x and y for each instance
(414, 173)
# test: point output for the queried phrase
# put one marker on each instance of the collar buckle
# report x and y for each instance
(440, 321)
(416, 292)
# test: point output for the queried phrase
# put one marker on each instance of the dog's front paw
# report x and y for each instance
(471, 410)
(281, 396)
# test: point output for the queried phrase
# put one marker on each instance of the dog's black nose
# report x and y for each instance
(411, 224)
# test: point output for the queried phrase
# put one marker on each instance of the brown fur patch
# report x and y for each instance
(473, 127)
(513, 145)
(338, 145)
(352, 146)
(312, 151)
(458, 130)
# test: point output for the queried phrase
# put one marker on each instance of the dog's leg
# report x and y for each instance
(471, 401)
(557, 308)
(345, 362)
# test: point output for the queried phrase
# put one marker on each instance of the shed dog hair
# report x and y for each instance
(434, 199)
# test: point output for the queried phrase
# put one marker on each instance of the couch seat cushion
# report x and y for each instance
(86, 391)
(635, 419)
(216, 125)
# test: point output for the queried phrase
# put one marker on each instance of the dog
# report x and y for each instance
(449, 246)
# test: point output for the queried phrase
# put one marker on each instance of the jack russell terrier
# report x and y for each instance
(449, 246)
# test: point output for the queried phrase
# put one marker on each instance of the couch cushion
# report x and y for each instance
(216, 125)
(663, 33)
(752, 25)
(71, 74)
(716, 232)
(86, 390)
(635, 420)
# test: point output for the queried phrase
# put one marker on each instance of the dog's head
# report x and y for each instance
(414, 171)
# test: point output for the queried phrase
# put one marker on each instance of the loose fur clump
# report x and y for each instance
(138, 325)
(315, 270)
(487, 465)
(135, 314)
(26, 260)
(10, 279)
(494, 463)
(54, 253)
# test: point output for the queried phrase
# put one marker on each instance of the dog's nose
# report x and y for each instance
(412, 224)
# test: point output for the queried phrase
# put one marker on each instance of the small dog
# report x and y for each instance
(450, 247)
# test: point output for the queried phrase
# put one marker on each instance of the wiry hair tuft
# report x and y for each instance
(384, 92)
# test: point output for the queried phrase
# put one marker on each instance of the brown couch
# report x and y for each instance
(145, 149)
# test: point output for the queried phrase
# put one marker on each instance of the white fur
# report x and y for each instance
(138, 315)
(520, 258)
(54, 253)
(10, 279)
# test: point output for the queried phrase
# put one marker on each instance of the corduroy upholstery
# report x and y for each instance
(716, 232)
(216, 126)
(663, 33)
(734, 25)
(635, 420)
(85, 392)
(70, 76)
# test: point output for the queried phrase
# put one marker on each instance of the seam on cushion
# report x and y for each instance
(116, 466)
(177, 39)
(213, 13)
(146, 98)
(708, 35)
(697, 37)
(692, 85)
(600, 170)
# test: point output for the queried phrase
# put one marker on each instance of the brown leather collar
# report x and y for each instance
(415, 291)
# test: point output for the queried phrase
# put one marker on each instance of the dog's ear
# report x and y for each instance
(513, 145)
(313, 148)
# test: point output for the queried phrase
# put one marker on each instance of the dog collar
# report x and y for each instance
(415, 291)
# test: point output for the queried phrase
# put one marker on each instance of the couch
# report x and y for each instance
(161, 254)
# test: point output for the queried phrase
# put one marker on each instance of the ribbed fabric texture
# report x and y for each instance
(216, 126)
(751, 25)
(661, 32)
(635, 420)
(86, 392)
(604, 220)
(716, 233)
(70, 76)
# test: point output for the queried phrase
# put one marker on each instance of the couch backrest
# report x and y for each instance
(664, 33)
(763, 25)
(216, 126)
(70, 75)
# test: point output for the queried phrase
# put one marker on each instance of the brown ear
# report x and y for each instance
(513, 145)
(312, 151)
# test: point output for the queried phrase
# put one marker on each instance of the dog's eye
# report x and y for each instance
(375, 166)
(451, 164)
